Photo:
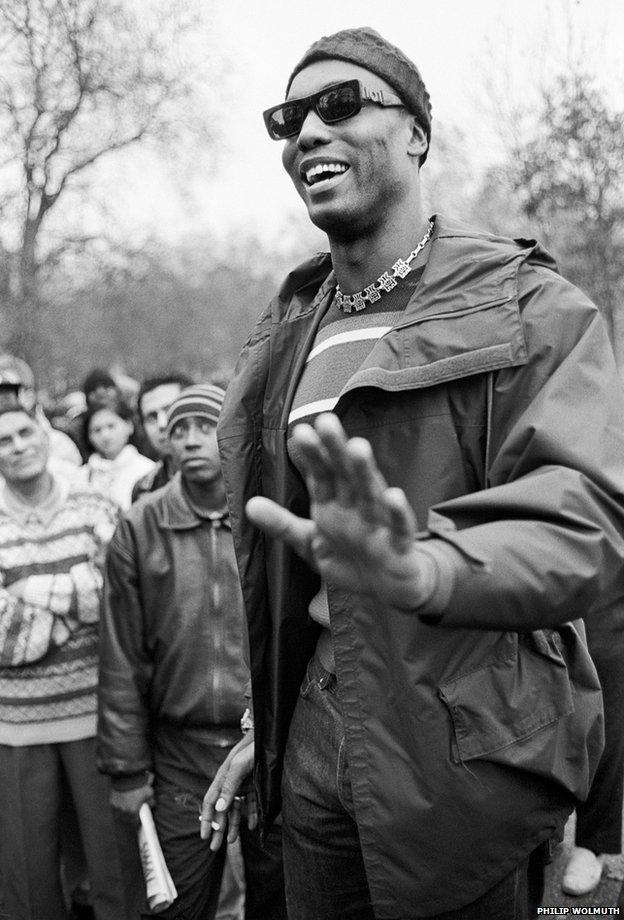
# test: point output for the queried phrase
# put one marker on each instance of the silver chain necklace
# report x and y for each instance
(385, 282)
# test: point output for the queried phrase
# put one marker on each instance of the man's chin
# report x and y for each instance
(199, 475)
(339, 225)
(26, 474)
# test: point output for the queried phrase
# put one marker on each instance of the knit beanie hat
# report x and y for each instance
(368, 49)
(204, 400)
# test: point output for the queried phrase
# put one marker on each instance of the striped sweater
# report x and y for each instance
(342, 344)
(51, 559)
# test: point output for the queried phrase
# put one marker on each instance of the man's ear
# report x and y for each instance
(418, 139)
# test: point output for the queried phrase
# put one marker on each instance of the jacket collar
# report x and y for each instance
(41, 514)
(470, 275)
(463, 265)
(175, 513)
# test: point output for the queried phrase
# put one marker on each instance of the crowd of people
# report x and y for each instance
(165, 656)
(352, 625)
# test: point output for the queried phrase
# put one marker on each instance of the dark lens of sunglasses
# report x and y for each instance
(286, 121)
(336, 104)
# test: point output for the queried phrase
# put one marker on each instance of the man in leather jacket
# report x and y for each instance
(426, 712)
(173, 671)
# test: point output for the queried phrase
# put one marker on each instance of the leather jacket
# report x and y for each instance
(173, 653)
(496, 406)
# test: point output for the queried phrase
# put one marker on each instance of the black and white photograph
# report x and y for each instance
(311, 459)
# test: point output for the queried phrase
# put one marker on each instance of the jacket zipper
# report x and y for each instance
(217, 626)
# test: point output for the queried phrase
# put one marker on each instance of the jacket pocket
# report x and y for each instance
(523, 711)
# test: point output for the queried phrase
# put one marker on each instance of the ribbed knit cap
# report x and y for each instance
(368, 49)
(204, 400)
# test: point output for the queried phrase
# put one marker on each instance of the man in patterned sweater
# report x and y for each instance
(52, 541)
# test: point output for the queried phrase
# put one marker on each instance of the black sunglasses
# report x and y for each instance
(337, 102)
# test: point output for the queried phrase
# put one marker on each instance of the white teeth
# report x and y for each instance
(323, 170)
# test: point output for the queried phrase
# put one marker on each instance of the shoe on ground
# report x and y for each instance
(583, 872)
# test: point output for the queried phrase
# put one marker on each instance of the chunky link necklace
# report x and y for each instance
(385, 282)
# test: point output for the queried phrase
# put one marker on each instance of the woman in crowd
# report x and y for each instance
(115, 465)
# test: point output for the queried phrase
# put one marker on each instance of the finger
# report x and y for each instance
(205, 826)
(213, 821)
(210, 820)
(239, 769)
(218, 828)
(369, 486)
(403, 525)
(334, 441)
(280, 523)
(317, 470)
(234, 819)
(214, 790)
(216, 803)
(252, 811)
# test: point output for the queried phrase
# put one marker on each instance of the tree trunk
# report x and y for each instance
(26, 338)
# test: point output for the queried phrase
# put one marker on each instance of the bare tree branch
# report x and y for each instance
(81, 80)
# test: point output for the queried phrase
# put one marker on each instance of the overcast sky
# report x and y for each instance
(458, 45)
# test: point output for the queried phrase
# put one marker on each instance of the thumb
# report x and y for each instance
(277, 522)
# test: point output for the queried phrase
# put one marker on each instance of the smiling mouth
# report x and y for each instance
(323, 172)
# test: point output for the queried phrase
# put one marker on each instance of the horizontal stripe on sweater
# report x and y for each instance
(55, 567)
(50, 732)
(64, 545)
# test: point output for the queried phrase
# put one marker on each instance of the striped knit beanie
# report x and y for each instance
(368, 49)
(204, 400)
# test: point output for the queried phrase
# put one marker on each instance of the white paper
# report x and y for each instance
(160, 890)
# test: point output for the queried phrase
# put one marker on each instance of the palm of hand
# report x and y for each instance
(362, 534)
(361, 553)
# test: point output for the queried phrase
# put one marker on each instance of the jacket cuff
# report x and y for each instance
(448, 562)
(123, 782)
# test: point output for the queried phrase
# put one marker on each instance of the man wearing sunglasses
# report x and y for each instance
(426, 712)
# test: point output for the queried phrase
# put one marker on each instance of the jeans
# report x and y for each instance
(197, 871)
(599, 819)
(323, 866)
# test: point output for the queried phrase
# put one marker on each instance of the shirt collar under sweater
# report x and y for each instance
(24, 513)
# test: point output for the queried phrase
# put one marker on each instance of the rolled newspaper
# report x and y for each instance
(159, 887)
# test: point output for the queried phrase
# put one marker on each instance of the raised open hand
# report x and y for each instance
(362, 533)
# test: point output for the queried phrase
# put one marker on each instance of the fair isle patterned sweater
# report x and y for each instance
(51, 561)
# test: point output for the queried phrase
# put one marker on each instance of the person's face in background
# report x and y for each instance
(153, 409)
(101, 395)
(195, 450)
(109, 433)
(24, 447)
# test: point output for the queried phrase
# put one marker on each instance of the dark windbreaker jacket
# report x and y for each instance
(495, 404)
